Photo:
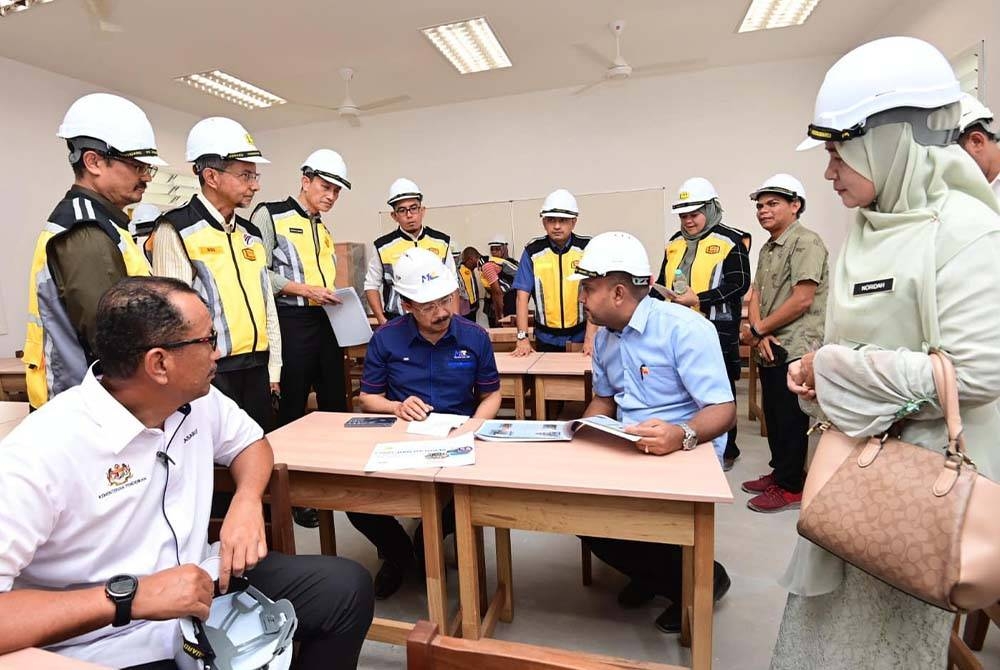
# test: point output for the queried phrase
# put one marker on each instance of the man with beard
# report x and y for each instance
(85, 246)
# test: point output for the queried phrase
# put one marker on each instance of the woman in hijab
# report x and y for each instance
(918, 271)
(713, 262)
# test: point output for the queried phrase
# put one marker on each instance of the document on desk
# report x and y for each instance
(349, 319)
(549, 431)
(436, 424)
(459, 450)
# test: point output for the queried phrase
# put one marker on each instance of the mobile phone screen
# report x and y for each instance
(370, 422)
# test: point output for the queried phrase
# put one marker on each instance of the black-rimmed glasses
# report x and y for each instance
(212, 339)
(141, 169)
(412, 209)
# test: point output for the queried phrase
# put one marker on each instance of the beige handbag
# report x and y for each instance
(921, 520)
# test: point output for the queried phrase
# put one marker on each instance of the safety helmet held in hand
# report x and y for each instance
(420, 276)
(404, 189)
(329, 165)
(783, 184)
(245, 630)
(219, 136)
(614, 252)
(886, 74)
(694, 194)
(560, 204)
(109, 124)
(974, 112)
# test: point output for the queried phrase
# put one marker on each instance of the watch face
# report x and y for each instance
(122, 586)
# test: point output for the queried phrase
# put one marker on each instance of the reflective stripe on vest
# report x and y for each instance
(469, 284)
(556, 299)
(303, 253)
(706, 270)
(390, 247)
(54, 357)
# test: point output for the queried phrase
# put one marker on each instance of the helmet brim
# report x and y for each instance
(152, 160)
(557, 215)
(809, 143)
(684, 209)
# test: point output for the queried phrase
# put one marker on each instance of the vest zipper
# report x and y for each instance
(315, 232)
(246, 298)
(562, 307)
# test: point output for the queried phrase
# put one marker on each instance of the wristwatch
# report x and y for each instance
(522, 335)
(690, 440)
(120, 590)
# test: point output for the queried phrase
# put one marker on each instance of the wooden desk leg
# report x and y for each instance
(539, 398)
(704, 554)
(505, 573)
(468, 565)
(484, 599)
(327, 533)
(437, 590)
(687, 594)
(519, 398)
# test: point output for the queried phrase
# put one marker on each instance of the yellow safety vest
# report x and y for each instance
(392, 245)
(469, 284)
(557, 308)
(303, 250)
(230, 274)
(54, 356)
(706, 270)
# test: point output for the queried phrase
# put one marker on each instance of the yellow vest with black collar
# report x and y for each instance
(706, 270)
(392, 245)
(557, 307)
(303, 251)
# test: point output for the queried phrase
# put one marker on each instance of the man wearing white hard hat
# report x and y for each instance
(105, 497)
(142, 220)
(500, 256)
(658, 369)
(979, 138)
(85, 246)
(407, 203)
(542, 276)
(786, 314)
(425, 361)
(209, 246)
(707, 264)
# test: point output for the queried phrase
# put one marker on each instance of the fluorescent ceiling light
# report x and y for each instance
(767, 14)
(10, 6)
(232, 89)
(471, 46)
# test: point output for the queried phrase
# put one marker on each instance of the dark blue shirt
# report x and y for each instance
(448, 375)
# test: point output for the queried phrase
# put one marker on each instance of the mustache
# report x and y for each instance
(443, 319)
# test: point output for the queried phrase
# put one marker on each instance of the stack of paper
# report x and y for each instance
(436, 424)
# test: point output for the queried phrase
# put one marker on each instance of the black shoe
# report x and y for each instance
(388, 580)
(306, 517)
(727, 463)
(670, 620)
(634, 595)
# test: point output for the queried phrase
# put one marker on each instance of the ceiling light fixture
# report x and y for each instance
(471, 46)
(11, 6)
(767, 14)
(231, 89)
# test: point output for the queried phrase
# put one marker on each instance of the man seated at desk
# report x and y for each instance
(659, 369)
(105, 494)
(424, 361)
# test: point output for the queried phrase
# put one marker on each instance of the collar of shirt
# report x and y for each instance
(228, 226)
(314, 218)
(119, 217)
(414, 332)
(996, 185)
(641, 315)
(119, 427)
(416, 237)
(784, 236)
(559, 250)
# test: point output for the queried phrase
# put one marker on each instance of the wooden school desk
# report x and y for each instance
(513, 377)
(12, 380)
(594, 485)
(558, 376)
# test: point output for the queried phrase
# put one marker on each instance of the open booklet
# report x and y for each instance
(549, 431)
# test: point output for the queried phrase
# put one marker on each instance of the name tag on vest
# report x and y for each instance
(210, 250)
(296, 230)
(874, 286)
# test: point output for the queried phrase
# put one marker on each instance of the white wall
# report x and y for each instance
(35, 173)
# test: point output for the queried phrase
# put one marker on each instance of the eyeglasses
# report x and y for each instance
(412, 209)
(245, 177)
(431, 307)
(212, 339)
(141, 169)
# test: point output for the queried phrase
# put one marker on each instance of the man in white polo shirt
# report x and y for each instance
(105, 495)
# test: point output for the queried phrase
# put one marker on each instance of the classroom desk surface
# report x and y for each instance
(11, 411)
(11, 366)
(39, 659)
(571, 363)
(513, 378)
(508, 364)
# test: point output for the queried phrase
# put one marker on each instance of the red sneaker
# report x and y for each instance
(760, 484)
(775, 499)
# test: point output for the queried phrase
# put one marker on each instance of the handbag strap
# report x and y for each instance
(946, 384)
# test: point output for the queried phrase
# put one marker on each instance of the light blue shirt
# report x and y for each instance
(666, 364)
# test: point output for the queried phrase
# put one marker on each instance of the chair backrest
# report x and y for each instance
(279, 529)
(426, 650)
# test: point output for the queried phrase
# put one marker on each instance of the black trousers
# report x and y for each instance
(472, 314)
(732, 451)
(311, 359)
(251, 390)
(333, 602)
(509, 306)
(389, 537)
(786, 428)
(656, 567)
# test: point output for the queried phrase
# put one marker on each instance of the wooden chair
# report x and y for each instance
(280, 536)
(426, 650)
(960, 656)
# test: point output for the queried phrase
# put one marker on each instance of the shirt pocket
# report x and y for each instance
(659, 384)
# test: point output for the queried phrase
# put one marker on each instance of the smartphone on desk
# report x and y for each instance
(370, 422)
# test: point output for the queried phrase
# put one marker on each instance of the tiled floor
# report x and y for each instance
(553, 608)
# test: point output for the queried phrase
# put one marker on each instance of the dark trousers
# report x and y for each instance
(251, 390)
(656, 567)
(545, 346)
(389, 537)
(333, 602)
(732, 451)
(473, 314)
(311, 359)
(509, 307)
(786, 428)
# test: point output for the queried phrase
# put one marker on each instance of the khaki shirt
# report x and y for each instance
(797, 255)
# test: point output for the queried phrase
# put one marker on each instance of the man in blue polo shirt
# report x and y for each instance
(657, 368)
(424, 361)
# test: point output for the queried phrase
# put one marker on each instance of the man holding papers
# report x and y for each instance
(424, 361)
(658, 369)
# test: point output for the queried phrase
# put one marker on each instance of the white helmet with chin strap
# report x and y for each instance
(694, 194)
(974, 112)
(614, 252)
(328, 165)
(889, 80)
(560, 204)
(245, 630)
(786, 185)
(109, 124)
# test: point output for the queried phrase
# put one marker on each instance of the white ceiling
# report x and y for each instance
(295, 47)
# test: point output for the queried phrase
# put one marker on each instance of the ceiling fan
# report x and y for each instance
(619, 69)
(352, 111)
(100, 11)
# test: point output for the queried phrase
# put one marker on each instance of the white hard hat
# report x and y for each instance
(888, 73)
(694, 194)
(560, 204)
(973, 112)
(614, 252)
(404, 189)
(219, 136)
(245, 630)
(329, 165)
(114, 121)
(420, 276)
(498, 239)
(784, 184)
(145, 212)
